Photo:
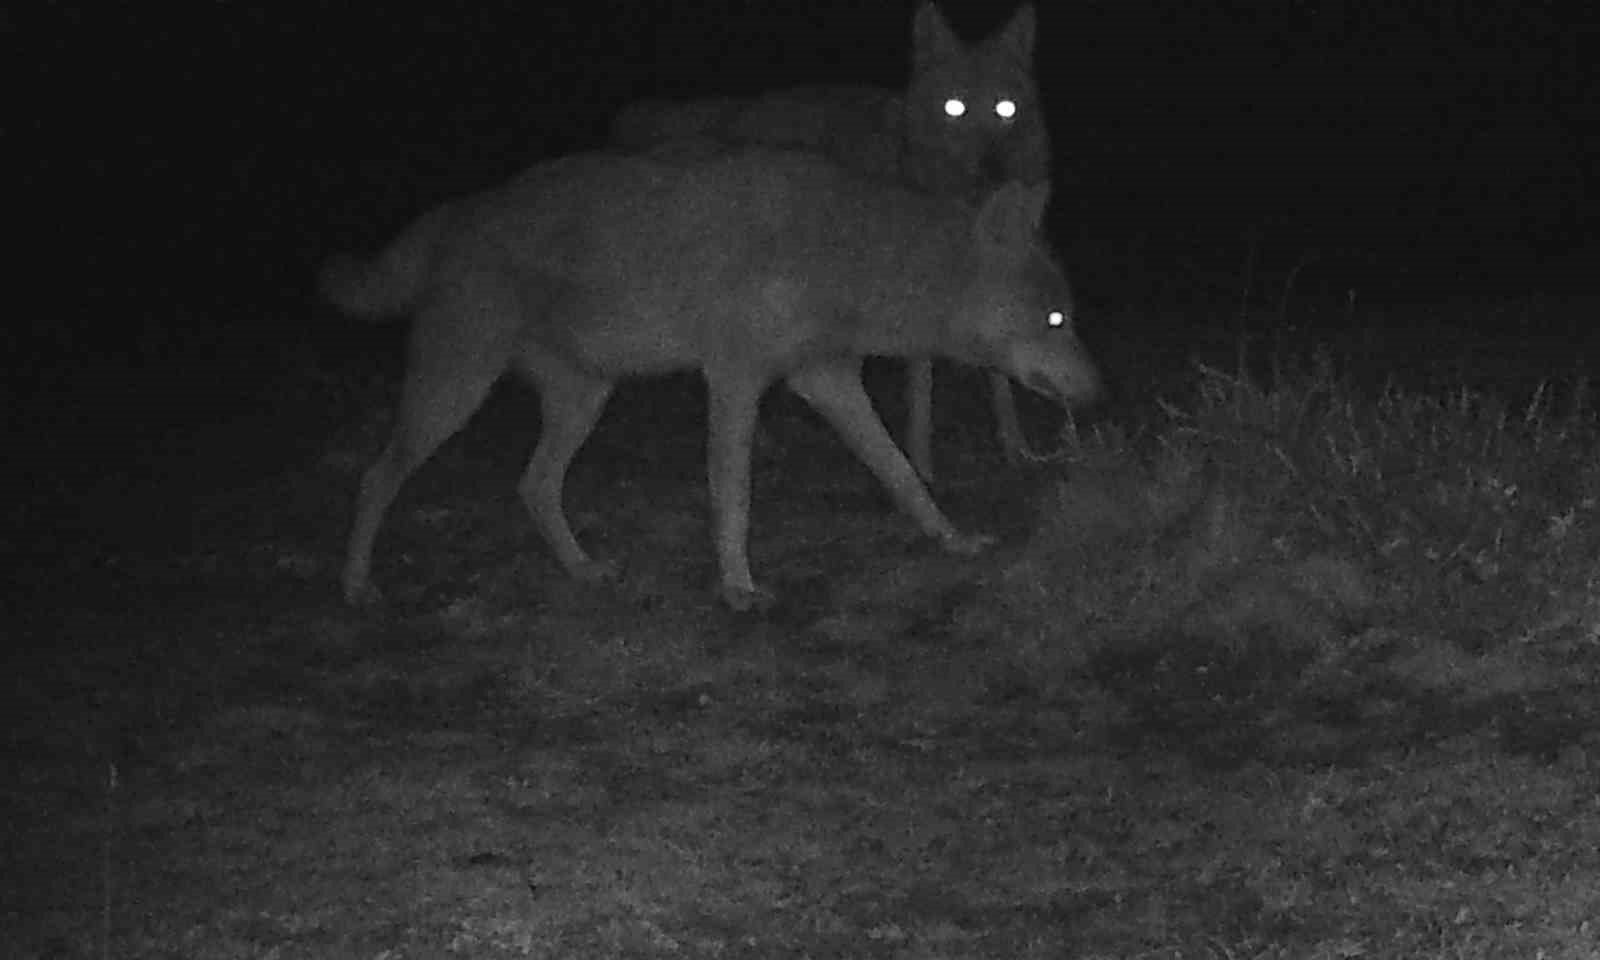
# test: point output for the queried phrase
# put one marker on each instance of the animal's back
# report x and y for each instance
(857, 126)
(641, 264)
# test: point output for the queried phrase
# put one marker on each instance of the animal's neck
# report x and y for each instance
(919, 320)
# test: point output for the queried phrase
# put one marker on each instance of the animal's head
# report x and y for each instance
(972, 112)
(1018, 314)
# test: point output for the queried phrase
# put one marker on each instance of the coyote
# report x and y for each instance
(967, 121)
(749, 265)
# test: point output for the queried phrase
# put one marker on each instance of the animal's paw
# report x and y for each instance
(748, 599)
(362, 595)
(590, 570)
(968, 544)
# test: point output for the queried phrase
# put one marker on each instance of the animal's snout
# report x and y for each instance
(1065, 373)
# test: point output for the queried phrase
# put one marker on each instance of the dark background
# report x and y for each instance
(193, 162)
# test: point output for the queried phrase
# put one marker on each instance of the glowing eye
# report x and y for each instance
(954, 108)
(1056, 319)
(1005, 109)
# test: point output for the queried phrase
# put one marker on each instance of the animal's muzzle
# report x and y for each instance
(1069, 378)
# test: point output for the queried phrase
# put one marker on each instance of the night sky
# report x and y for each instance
(198, 160)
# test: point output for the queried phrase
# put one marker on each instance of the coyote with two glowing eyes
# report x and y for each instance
(750, 265)
(967, 120)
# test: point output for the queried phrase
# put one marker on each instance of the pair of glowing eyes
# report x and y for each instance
(1005, 109)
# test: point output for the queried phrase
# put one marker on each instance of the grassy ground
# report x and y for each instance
(1297, 660)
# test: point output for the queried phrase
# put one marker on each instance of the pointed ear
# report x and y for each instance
(931, 37)
(1011, 217)
(1016, 37)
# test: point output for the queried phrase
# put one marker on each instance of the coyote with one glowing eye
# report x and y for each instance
(967, 122)
(751, 266)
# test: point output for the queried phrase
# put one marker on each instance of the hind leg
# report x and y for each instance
(570, 402)
(448, 374)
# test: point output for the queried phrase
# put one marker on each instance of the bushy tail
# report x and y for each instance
(390, 283)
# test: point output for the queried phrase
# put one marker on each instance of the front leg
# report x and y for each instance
(834, 390)
(733, 402)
